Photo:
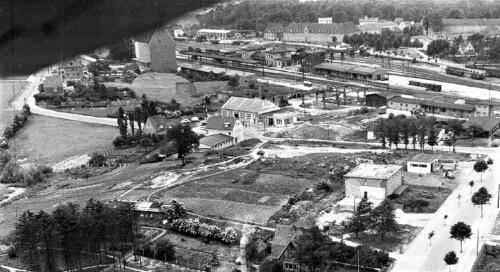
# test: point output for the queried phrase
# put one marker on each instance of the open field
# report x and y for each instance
(161, 86)
(49, 140)
(243, 195)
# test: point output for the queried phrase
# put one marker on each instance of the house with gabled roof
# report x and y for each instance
(466, 48)
(279, 57)
(155, 50)
(283, 246)
(248, 110)
(227, 125)
(52, 85)
(156, 124)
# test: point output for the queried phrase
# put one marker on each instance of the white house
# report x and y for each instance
(423, 163)
(373, 181)
(229, 126)
(216, 141)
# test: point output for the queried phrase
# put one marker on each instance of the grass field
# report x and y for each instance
(96, 112)
(50, 140)
(8, 89)
(161, 86)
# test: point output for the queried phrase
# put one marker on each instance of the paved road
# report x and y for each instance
(27, 97)
(420, 257)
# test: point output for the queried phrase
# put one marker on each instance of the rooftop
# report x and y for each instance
(283, 236)
(159, 122)
(373, 171)
(213, 140)
(214, 30)
(424, 157)
(52, 81)
(218, 122)
(253, 105)
(487, 123)
(340, 28)
(278, 50)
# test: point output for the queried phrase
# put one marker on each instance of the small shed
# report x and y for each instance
(423, 163)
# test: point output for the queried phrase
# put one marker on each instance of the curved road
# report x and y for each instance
(32, 88)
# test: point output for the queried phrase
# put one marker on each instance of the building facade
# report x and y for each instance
(215, 33)
(155, 50)
(248, 110)
(318, 33)
(273, 32)
(278, 57)
(423, 164)
(373, 181)
(325, 20)
(225, 125)
(469, 26)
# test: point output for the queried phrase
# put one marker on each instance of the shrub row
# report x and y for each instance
(195, 228)
(17, 123)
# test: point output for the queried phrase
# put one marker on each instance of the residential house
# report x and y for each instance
(431, 106)
(278, 95)
(70, 71)
(156, 124)
(216, 141)
(466, 49)
(318, 33)
(248, 110)
(284, 246)
(278, 57)
(225, 125)
(155, 50)
(52, 85)
(273, 32)
(489, 124)
(423, 163)
(404, 103)
(325, 20)
(487, 108)
(215, 33)
(373, 181)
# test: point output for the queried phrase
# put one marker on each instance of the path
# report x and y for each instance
(232, 222)
(26, 96)
(419, 256)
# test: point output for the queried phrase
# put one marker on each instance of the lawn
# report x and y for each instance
(96, 112)
(392, 241)
(49, 140)
(161, 86)
(489, 260)
(422, 199)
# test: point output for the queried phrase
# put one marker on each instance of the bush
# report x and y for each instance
(11, 252)
(195, 228)
(97, 159)
(490, 161)
(323, 184)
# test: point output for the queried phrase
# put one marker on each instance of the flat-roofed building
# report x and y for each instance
(215, 33)
(373, 181)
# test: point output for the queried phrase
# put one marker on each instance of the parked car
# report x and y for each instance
(185, 121)
(382, 110)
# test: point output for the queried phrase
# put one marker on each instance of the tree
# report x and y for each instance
(362, 217)
(384, 219)
(97, 67)
(449, 139)
(451, 258)
(480, 166)
(234, 82)
(122, 123)
(97, 159)
(481, 197)
(311, 248)
(138, 118)
(131, 120)
(460, 231)
(184, 138)
(123, 51)
(429, 236)
(381, 132)
(437, 47)
(432, 139)
(473, 131)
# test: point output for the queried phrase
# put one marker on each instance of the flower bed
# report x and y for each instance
(195, 228)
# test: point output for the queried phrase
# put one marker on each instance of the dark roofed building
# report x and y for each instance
(490, 124)
(321, 33)
(156, 124)
(225, 125)
(216, 141)
(52, 84)
(378, 99)
(283, 246)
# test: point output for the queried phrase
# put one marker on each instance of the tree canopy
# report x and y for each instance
(460, 231)
(185, 139)
(481, 197)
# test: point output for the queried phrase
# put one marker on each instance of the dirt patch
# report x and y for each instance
(422, 199)
(75, 161)
(164, 180)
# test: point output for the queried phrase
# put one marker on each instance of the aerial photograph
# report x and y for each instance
(250, 136)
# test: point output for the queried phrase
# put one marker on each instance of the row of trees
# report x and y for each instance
(17, 122)
(74, 232)
(258, 14)
(387, 39)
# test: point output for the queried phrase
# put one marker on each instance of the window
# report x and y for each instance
(230, 133)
